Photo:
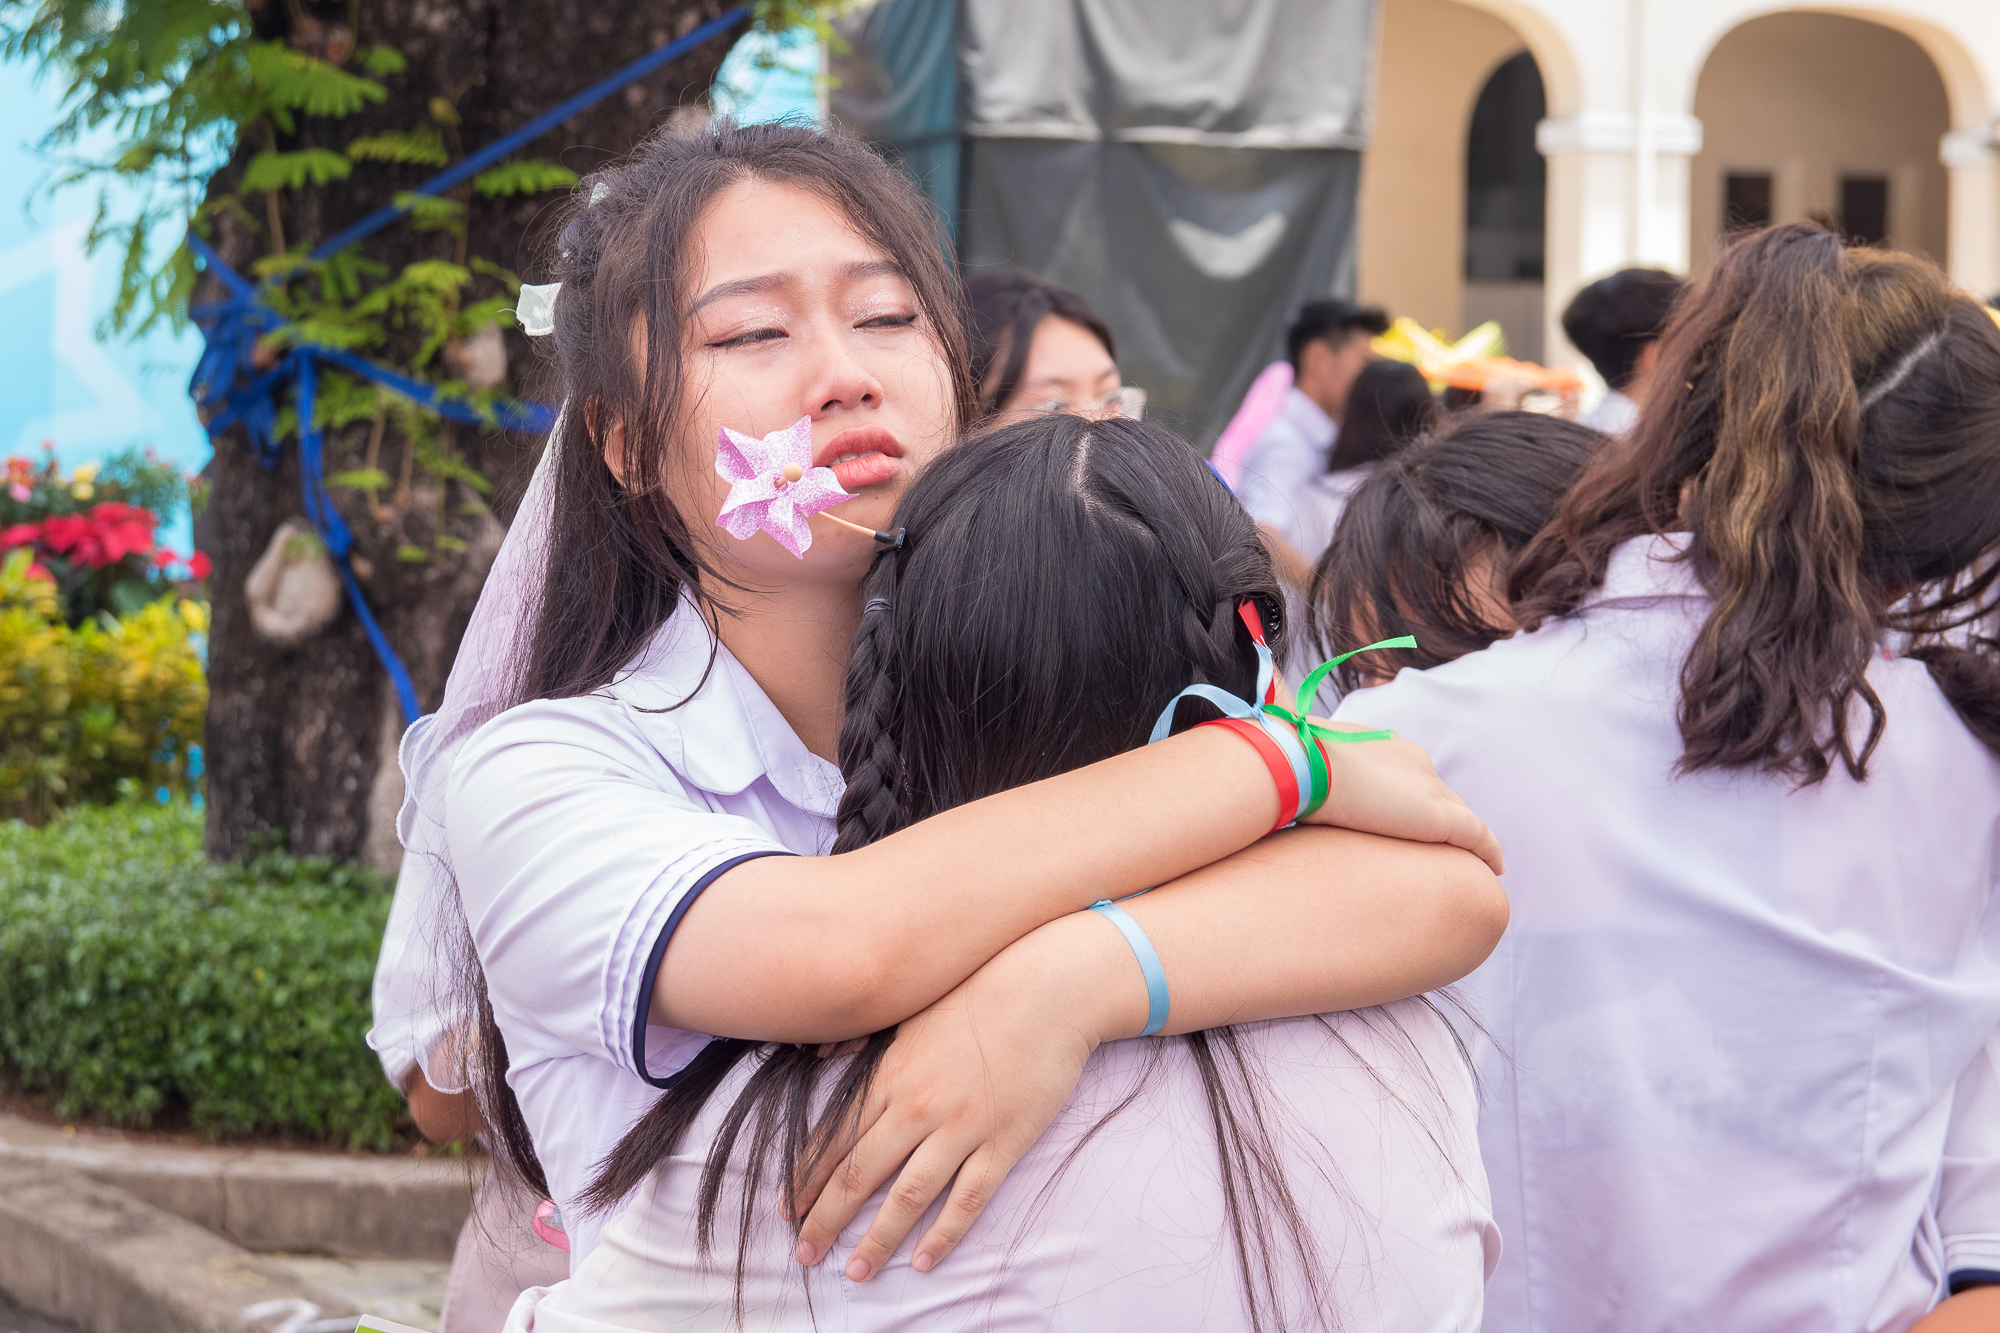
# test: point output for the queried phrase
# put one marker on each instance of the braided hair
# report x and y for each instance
(1063, 578)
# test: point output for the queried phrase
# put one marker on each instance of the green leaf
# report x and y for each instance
(422, 147)
(382, 61)
(435, 275)
(362, 479)
(430, 213)
(530, 176)
(446, 542)
(412, 555)
(508, 278)
(292, 171)
(443, 112)
(295, 81)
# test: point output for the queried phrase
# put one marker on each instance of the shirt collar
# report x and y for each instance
(721, 732)
(1648, 567)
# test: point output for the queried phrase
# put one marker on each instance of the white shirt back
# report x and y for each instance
(1739, 1074)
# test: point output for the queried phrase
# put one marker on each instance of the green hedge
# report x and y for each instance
(136, 977)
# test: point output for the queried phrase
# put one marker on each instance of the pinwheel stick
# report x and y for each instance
(893, 538)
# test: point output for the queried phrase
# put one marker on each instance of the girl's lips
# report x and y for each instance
(867, 470)
(861, 456)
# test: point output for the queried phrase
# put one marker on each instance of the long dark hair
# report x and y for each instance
(1063, 578)
(1827, 427)
(1430, 521)
(1004, 307)
(1390, 404)
(620, 558)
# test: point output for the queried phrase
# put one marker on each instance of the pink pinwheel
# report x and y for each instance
(773, 485)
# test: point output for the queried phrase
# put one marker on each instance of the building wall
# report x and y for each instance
(1433, 57)
(1808, 98)
(1650, 100)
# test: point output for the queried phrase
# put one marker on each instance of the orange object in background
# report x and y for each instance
(1472, 362)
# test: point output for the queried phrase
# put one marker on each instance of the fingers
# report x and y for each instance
(977, 1180)
(846, 1183)
(1471, 833)
(829, 1157)
(929, 1170)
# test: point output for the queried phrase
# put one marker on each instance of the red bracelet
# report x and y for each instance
(1274, 759)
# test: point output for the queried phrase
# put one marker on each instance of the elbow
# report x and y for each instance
(1480, 908)
(862, 992)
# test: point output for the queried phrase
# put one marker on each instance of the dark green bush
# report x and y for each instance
(136, 978)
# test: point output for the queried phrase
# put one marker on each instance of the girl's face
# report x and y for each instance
(794, 314)
(1067, 370)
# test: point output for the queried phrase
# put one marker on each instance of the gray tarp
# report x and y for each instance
(1190, 166)
(1225, 73)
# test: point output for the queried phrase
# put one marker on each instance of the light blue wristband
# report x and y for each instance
(1149, 962)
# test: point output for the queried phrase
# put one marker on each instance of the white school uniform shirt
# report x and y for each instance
(580, 831)
(1111, 1225)
(1741, 1067)
(1614, 414)
(1288, 453)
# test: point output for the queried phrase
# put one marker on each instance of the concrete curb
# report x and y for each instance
(267, 1200)
(92, 1255)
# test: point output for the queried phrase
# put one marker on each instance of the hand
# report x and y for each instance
(1389, 787)
(967, 1087)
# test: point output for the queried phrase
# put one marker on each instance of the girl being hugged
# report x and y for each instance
(638, 844)
(1743, 758)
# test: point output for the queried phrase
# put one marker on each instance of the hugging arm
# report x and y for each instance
(1307, 921)
(819, 949)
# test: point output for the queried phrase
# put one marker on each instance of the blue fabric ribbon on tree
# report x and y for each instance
(229, 388)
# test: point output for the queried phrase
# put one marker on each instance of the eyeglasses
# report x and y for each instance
(1128, 401)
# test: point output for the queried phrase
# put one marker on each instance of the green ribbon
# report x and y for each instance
(1309, 730)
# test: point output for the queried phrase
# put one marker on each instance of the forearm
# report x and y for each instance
(812, 949)
(1317, 920)
(1308, 921)
(1974, 1311)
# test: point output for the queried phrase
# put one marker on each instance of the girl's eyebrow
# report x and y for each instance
(855, 272)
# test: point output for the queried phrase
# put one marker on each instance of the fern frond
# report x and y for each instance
(430, 213)
(295, 81)
(422, 147)
(382, 61)
(530, 176)
(292, 171)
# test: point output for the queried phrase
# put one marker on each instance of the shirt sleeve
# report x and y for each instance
(410, 1013)
(575, 847)
(1276, 467)
(1969, 1195)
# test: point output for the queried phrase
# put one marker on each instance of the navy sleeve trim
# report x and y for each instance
(1965, 1279)
(653, 959)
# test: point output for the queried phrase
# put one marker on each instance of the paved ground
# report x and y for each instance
(409, 1291)
(13, 1319)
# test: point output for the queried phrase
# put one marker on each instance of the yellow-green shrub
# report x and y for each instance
(104, 709)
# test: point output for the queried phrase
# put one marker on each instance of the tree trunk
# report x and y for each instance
(301, 739)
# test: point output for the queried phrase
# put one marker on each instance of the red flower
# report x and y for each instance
(125, 529)
(39, 572)
(72, 535)
(105, 536)
(21, 534)
(199, 565)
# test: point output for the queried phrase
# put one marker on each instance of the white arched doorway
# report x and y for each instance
(1440, 243)
(1823, 116)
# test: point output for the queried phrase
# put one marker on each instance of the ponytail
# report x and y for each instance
(1826, 428)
